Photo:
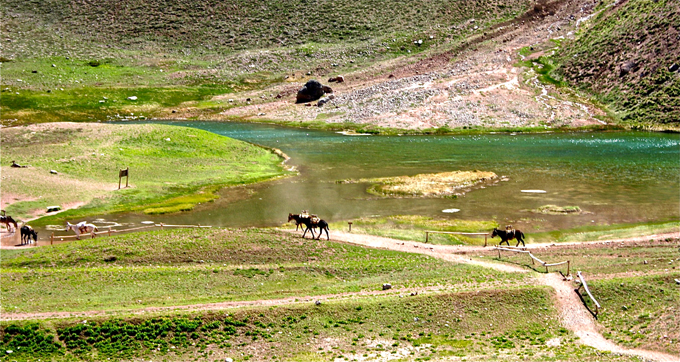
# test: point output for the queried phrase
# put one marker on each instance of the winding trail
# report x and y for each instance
(572, 313)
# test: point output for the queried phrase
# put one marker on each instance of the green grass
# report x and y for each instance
(423, 327)
(171, 168)
(605, 232)
(638, 31)
(201, 266)
(640, 312)
(413, 227)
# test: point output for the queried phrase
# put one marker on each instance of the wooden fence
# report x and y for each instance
(585, 286)
(109, 231)
(427, 234)
(534, 258)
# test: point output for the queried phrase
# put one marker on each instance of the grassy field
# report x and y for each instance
(171, 168)
(468, 316)
(413, 227)
(186, 267)
(419, 328)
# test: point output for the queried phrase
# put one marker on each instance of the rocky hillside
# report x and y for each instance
(629, 55)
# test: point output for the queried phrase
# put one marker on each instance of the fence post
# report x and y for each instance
(350, 226)
(568, 268)
(52, 239)
(427, 236)
(485, 239)
(499, 253)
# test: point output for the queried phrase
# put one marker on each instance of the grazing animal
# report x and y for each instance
(9, 223)
(312, 223)
(81, 228)
(27, 233)
(509, 235)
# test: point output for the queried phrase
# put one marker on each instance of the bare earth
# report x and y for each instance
(572, 312)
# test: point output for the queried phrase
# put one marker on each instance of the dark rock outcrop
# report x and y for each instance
(312, 91)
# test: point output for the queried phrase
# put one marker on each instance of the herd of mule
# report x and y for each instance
(310, 222)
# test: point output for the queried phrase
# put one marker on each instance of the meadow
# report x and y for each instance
(171, 168)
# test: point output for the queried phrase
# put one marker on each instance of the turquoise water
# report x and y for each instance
(617, 177)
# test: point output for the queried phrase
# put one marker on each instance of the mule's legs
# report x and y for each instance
(520, 240)
(504, 241)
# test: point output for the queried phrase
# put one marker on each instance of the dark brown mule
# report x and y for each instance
(312, 224)
(509, 235)
(297, 219)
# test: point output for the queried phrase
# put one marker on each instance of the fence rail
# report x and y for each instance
(584, 285)
(427, 234)
(534, 258)
(108, 231)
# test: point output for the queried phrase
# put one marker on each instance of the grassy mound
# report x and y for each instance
(444, 184)
(171, 168)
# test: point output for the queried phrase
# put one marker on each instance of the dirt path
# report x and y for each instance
(572, 312)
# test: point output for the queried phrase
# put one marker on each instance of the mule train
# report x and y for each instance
(310, 222)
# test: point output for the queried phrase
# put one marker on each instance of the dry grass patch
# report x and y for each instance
(444, 184)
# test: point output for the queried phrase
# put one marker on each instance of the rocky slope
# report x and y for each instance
(629, 55)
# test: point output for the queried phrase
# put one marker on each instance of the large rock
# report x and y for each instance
(312, 91)
(628, 67)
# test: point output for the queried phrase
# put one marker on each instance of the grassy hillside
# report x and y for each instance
(629, 57)
(171, 168)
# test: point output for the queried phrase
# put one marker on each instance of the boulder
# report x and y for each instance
(673, 67)
(312, 91)
(339, 79)
(386, 286)
(628, 67)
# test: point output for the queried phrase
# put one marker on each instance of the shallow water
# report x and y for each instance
(617, 177)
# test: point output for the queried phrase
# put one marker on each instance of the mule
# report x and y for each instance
(313, 223)
(297, 218)
(82, 228)
(27, 233)
(8, 221)
(509, 235)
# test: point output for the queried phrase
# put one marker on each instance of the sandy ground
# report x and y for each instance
(573, 314)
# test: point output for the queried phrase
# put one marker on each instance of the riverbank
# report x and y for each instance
(76, 166)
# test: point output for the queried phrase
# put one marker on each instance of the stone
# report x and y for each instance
(318, 302)
(53, 172)
(322, 101)
(628, 67)
(673, 67)
(132, 98)
(312, 91)
(53, 208)
(386, 286)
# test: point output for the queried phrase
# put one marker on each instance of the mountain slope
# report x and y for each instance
(630, 56)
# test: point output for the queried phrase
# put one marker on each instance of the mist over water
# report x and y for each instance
(618, 177)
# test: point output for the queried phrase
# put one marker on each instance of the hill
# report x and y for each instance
(629, 56)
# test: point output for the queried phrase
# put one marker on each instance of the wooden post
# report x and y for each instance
(427, 236)
(485, 240)
(161, 226)
(52, 239)
(121, 174)
(350, 226)
(109, 231)
(499, 253)
(568, 267)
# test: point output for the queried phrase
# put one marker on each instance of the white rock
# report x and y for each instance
(534, 191)
(132, 98)
(450, 211)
